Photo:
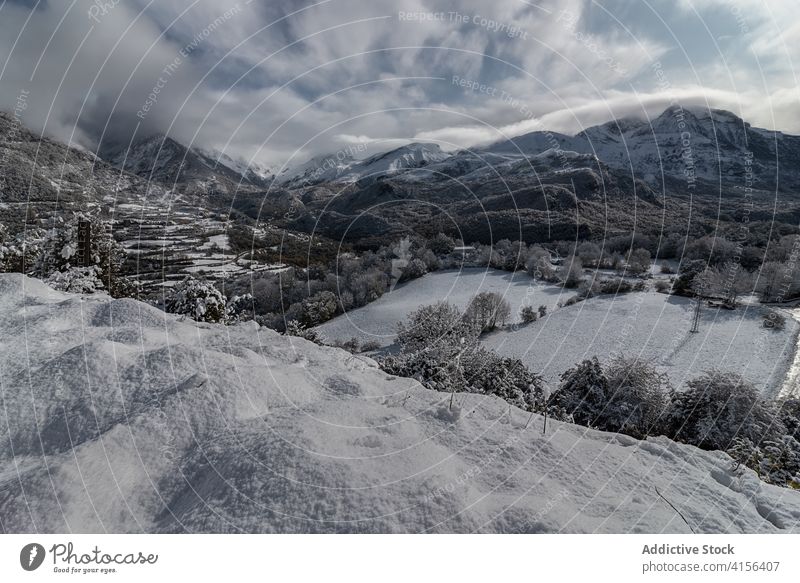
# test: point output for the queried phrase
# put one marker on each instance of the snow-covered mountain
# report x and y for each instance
(42, 180)
(683, 144)
(712, 145)
(147, 422)
(322, 168)
(343, 167)
(251, 171)
(163, 160)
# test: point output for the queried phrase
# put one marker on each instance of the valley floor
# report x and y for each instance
(652, 326)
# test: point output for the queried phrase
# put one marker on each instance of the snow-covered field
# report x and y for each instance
(652, 326)
(378, 320)
(655, 327)
(121, 418)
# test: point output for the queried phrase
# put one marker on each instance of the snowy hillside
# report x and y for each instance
(345, 168)
(323, 168)
(249, 170)
(124, 419)
(161, 159)
(709, 144)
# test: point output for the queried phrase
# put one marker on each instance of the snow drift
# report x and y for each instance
(120, 418)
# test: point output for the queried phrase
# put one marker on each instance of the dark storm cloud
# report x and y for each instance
(264, 79)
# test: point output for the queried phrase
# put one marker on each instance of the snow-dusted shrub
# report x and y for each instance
(776, 461)
(487, 310)
(639, 261)
(789, 414)
(439, 326)
(539, 266)
(663, 286)
(627, 396)
(346, 300)
(76, 280)
(19, 253)
(414, 269)
(571, 272)
(370, 345)
(583, 392)
(441, 244)
(319, 308)
(430, 260)
(528, 314)
(718, 407)
(295, 328)
(351, 345)
(508, 378)
(239, 309)
(638, 397)
(471, 369)
(542, 311)
(774, 320)
(615, 286)
(744, 453)
(779, 461)
(574, 300)
(197, 299)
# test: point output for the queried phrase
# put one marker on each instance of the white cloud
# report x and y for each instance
(258, 90)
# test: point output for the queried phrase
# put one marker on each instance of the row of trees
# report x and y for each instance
(560, 263)
(51, 254)
(312, 296)
(716, 411)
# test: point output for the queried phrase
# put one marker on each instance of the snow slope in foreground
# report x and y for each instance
(117, 417)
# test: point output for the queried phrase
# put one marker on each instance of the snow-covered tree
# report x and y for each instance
(295, 328)
(199, 300)
(77, 280)
(18, 253)
(319, 308)
(528, 314)
(239, 309)
(583, 392)
(58, 254)
(437, 326)
(487, 310)
(639, 261)
(441, 244)
(718, 407)
(589, 253)
(439, 348)
(727, 282)
(538, 264)
(685, 282)
(637, 400)
(571, 272)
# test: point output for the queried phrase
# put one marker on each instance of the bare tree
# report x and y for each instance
(487, 309)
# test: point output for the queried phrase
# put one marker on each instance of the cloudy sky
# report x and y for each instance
(277, 81)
